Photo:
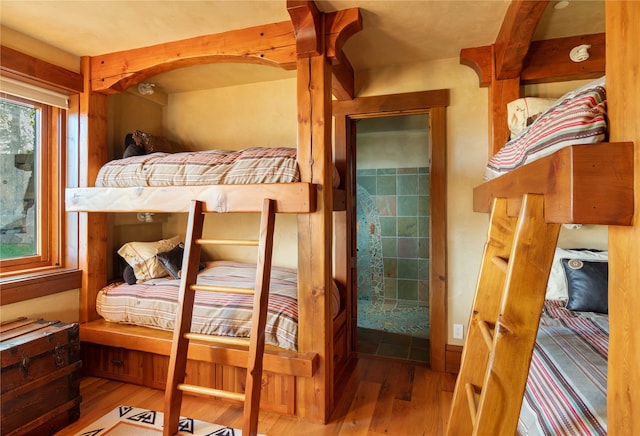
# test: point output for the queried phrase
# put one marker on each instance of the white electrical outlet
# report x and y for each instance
(457, 331)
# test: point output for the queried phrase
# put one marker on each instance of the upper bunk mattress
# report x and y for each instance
(578, 117)
(210, 167)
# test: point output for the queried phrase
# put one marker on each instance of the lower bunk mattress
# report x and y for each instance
(566, 392)
(153, 303)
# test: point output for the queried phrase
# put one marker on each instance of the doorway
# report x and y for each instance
(347, 116)
(392, 234)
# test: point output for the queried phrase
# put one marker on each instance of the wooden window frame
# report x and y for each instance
(48, 219)
(57, 271)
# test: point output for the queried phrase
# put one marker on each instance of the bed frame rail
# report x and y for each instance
(289, 198)
(582, 184)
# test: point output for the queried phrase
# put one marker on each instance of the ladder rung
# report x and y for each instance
(211, 392)
(503, 328)
(486, 333)
(225, 340)
(229, 289)
(245, 242)
(471, 400)
(501, 263)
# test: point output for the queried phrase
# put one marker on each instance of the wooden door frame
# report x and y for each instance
(346, 113)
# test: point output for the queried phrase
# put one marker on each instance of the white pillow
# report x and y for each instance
(520, 110)
(142, 257)
(557, 285)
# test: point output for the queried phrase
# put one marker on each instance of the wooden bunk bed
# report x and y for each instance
(588, 183)
(295, 382)
(583, 184)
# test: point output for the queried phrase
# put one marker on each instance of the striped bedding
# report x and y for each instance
(153, 303)
(210, 167)
(579, 117)
(566, 393)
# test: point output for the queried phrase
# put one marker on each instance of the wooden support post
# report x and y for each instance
(315, 395)
(623, 92)
(91, 125)
(501, 92)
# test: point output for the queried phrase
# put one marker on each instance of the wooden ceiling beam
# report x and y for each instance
(514, 38)
(548, 60)
(270, 44)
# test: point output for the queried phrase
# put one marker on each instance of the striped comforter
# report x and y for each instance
(153, 303)
(579, 117)
(566, 392)
(210, 167)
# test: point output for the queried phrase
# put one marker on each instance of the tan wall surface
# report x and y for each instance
(260, 114)
(63, 306)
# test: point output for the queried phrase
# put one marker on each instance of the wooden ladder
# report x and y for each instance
(504, 321)
(181, 335)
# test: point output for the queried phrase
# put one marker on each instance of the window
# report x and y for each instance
(31, 135)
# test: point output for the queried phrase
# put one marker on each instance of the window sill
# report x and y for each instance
(27, 286)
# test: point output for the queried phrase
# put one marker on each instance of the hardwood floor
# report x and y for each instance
(379, 397)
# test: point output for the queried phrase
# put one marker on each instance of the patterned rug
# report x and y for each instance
(132, 421)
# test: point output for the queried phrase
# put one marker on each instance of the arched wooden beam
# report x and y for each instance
(514, 38)
(269, 44)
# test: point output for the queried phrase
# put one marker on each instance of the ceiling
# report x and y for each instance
(394, 31)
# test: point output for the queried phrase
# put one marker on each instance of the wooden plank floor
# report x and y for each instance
(379, 397)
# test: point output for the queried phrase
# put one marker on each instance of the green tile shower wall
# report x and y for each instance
(401, 197)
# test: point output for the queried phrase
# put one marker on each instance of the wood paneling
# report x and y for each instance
(623, 95)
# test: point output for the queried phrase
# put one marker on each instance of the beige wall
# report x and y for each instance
(38, 49)
(63, 306)
(232, 118)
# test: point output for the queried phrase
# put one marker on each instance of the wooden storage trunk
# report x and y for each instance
(40, 376)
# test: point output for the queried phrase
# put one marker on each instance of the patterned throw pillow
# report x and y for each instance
(142, 256)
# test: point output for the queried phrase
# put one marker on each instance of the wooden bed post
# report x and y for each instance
(623, 92)
(92, 227)
(315, 235)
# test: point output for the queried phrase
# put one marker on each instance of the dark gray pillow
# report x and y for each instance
(172, 260)
(588, 285)
(133, 150)
(129, 276)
